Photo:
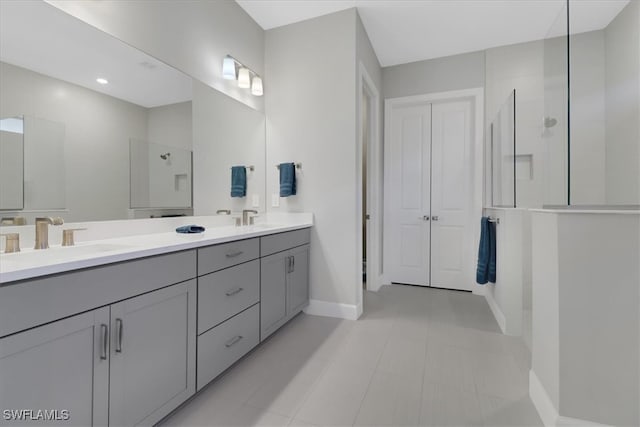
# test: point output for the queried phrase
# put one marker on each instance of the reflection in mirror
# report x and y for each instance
(160, 176)
(554, 123)
(503, 155)
(604, 103)
(11, 163)
(77, 130)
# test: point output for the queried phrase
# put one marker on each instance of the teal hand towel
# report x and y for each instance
(482, 270)
(486, 269)
(287, 179)
(238, 181)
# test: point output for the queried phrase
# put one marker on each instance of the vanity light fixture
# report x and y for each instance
(244, 81)
(102, 81)
(229, 68)
(233, 69)
(256, 86)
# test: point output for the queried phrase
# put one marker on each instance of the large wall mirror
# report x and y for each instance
(94, 129)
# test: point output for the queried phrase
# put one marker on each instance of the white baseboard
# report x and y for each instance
(497, 312)
(547, 411)
(332, 309)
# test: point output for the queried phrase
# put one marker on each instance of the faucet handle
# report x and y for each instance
(13, 242)
(67, 236)
(13, 220)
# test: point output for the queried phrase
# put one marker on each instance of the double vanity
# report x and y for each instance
(122, 331)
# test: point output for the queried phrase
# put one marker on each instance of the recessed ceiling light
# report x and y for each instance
(102, 81)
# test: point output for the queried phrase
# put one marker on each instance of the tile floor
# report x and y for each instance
(418, 357)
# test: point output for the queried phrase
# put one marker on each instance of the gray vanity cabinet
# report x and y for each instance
(126, 364)
(284, 278)
(63, 365)
(152, 354)
(273, 293)
(298, 280)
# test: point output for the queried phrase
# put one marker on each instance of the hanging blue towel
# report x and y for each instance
(190, 229)
(482, 271)
(287, 179)
(238, 181)
(492, 252)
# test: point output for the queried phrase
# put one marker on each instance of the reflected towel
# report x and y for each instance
(238, 181)
(482, 270)
(287, 179)
(189, 229)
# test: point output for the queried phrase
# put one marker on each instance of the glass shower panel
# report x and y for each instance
(555, 123)
(604, 79)
(503, 155)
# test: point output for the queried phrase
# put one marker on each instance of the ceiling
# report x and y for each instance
(39, 37)
(404, 31)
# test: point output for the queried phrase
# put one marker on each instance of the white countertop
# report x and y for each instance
(30, 263)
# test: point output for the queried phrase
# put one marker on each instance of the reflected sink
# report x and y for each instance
(57, 254)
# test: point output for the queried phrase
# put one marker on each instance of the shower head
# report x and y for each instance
(165, 156)
(549, 122)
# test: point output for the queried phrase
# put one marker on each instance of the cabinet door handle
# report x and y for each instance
(234, 254)
(119, 340)
(105, 341)
(233, 292)
(289, 264)
(293, 264)
(233, 341)
(435, 218)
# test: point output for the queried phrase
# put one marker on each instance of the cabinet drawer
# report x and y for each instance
(217, 257)
(283, 241)
(220, 347)
(226, 293)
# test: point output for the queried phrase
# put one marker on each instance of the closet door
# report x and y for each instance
(407, 192)
(450, 194)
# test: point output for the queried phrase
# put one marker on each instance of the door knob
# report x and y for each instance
(434, 217)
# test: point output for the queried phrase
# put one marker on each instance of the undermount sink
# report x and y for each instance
(59, 253)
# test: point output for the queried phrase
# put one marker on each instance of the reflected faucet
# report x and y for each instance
(245, 216)
(42, 231)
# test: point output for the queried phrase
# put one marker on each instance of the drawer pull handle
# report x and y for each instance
(234, 254)
(119, 340)
(233, 292)
(105, 341)
(233, 341)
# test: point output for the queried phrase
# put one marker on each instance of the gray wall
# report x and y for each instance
(193, 39)
(622, 70)
(311, 119)
(434, 75)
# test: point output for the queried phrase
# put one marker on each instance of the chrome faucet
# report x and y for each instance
(245, 216)
(42, 231)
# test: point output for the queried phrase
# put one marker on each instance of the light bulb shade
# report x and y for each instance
(244, 80)
(256, 86)
(228, 68)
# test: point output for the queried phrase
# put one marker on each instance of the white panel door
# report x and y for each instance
(450, 190)
(408, 177)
